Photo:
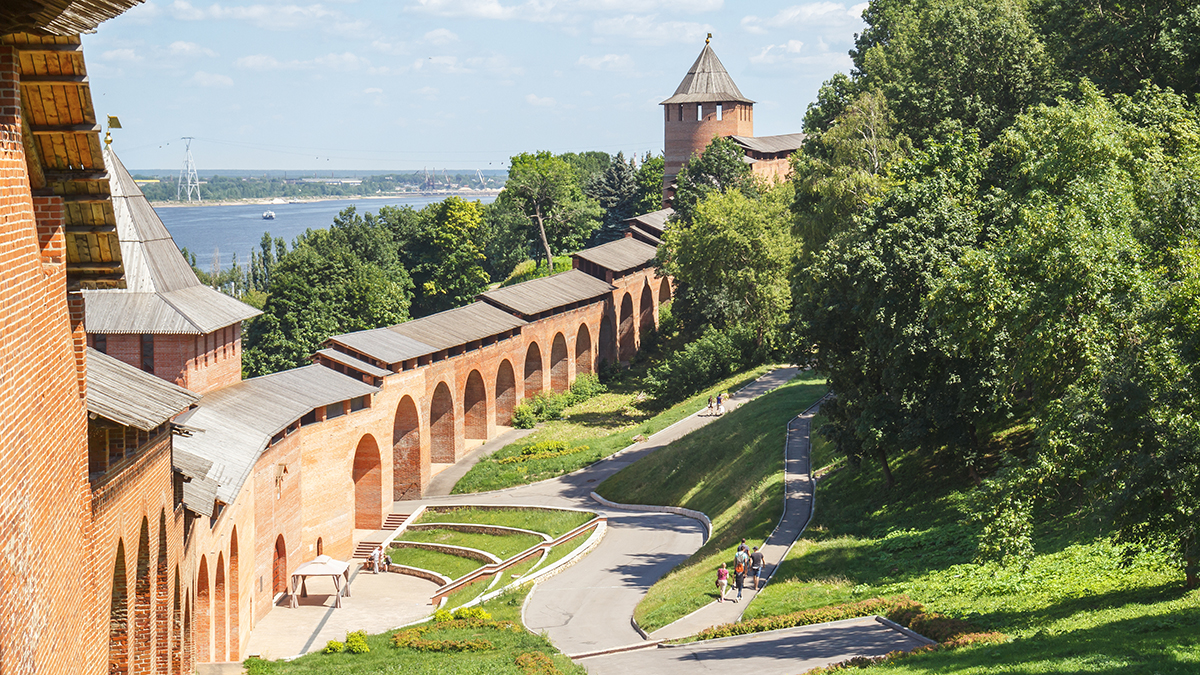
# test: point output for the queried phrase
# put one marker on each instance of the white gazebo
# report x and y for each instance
(321, 566)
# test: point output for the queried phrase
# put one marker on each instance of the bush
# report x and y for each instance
(713, 356)
(414, 638)
(356, 642)
(475, 612)
(536, 663)
(442, 616)
(545, 406)
(542, 450)
(333, 647)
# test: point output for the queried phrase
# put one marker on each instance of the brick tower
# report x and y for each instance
(706, 104)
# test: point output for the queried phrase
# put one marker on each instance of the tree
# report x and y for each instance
(617, 193)
(546, 190)
(740, 248)
(719, 169)
(445, 258)
(649, 180)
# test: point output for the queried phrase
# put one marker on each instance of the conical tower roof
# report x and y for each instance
(707, 81)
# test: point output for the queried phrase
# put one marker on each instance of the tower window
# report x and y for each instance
(680, 112)
(699, 112)
(719, 112)
(100, 343)
(148, 353)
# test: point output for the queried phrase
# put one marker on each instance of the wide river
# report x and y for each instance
(239, 228)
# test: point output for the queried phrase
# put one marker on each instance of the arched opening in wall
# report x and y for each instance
(219, 610)
(162, 598)
(646, 313)
(406, 452)
(560, 374)
(625, 330)
(118, 617)
(142, 635)
(583, 351)
(506, 393)
(279, 568)
(235, 642)
(189, 655)
(203, 629)
(176, 628)
(368, 494)
(533, 370)
(475, 407)
(608, 340)
(664, 292)
(441, 426)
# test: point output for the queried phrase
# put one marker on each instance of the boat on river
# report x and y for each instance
(268, 215)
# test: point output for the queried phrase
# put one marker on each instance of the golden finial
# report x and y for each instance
(113, 123)
(708, 39)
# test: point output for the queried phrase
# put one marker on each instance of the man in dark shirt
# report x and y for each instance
(756, 562)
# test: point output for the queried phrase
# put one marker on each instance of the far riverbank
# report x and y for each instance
(483, 195)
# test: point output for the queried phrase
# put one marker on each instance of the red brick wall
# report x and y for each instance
(689, 136)
(49, 622)
(201, 363)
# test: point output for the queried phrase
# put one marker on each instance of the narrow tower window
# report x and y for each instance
(719, 112)
(148, 353)
(699, 112)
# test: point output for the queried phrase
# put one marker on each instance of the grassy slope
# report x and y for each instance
(501, 546)
(732, 470)
(554, 522)
(605, 423)
(1074, 609)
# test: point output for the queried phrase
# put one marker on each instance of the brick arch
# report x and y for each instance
(608, 339)
(235, 637)
(646, 311)
(626, 341)
(177, 646)
(475, 407)
(162, 599)
(142, 634)
(583, 351)
(506, 393)
(560, 373)
(664, 291)
(203, 639)
(406, 451)
(118, 617)
(441, 425)
(368, 488)
(219, 610)
(279, 567)
(533, 370)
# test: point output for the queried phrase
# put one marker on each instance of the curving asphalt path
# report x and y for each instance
(589, 606)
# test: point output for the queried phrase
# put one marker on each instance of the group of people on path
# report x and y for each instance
(717, 407)
(746, 560)
(378, 559)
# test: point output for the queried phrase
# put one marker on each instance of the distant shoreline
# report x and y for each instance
(280, 201)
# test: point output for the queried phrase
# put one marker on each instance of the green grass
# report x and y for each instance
(384, 659)
(1074, 608)
(554, 522)
(507, 605)
(563, 550)
(452, 566)
(605, 423)
(535, 269)
(731, 470)
(468, 593)
(501, 546)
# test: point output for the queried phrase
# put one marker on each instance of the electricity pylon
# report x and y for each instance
(188, 173)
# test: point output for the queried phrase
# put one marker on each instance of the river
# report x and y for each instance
(239, 227)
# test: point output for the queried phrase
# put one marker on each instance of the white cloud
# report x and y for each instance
(777, 53)
(440, 36)
(808, 14)
(272, 17)
(204, 79)
(559, 11)
(618, 62)
(647, 29)
(181, 48)
(121, 55)
(539, 101)
(469, 9)
(340, 62)
(392, 48)
(449, 65)
(427, 93)
(372, 90)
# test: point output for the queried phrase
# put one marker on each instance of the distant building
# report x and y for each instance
(708, 104)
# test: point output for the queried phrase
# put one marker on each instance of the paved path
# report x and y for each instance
(797, 511)
(783, 652)
(443, 483)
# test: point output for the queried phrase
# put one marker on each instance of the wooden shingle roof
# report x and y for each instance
(59, 17)
(64, 156)
(620, 255)
(547, 293)
(430, 334)
(707, 82)
(128, 396)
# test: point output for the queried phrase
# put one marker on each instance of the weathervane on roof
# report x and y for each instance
(708, 39)
(113, 123)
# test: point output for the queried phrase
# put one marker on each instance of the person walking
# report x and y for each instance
(756, 563)
(720, 407)
(374, 559)
(722, 582)
(710, 406)
(740, 562)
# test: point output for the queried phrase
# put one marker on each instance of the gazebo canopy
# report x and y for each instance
(322, 565)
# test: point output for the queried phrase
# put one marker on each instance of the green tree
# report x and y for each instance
(546, 190)
(740, 248)
(719, 169)
(649, 179)
(446, 258)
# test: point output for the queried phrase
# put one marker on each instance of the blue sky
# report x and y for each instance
(463, 84)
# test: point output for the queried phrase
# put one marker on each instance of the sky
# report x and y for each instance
(382, 85)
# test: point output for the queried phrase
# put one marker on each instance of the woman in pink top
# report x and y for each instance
(722, 582)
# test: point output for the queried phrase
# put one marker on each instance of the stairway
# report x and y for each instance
(394, 520)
